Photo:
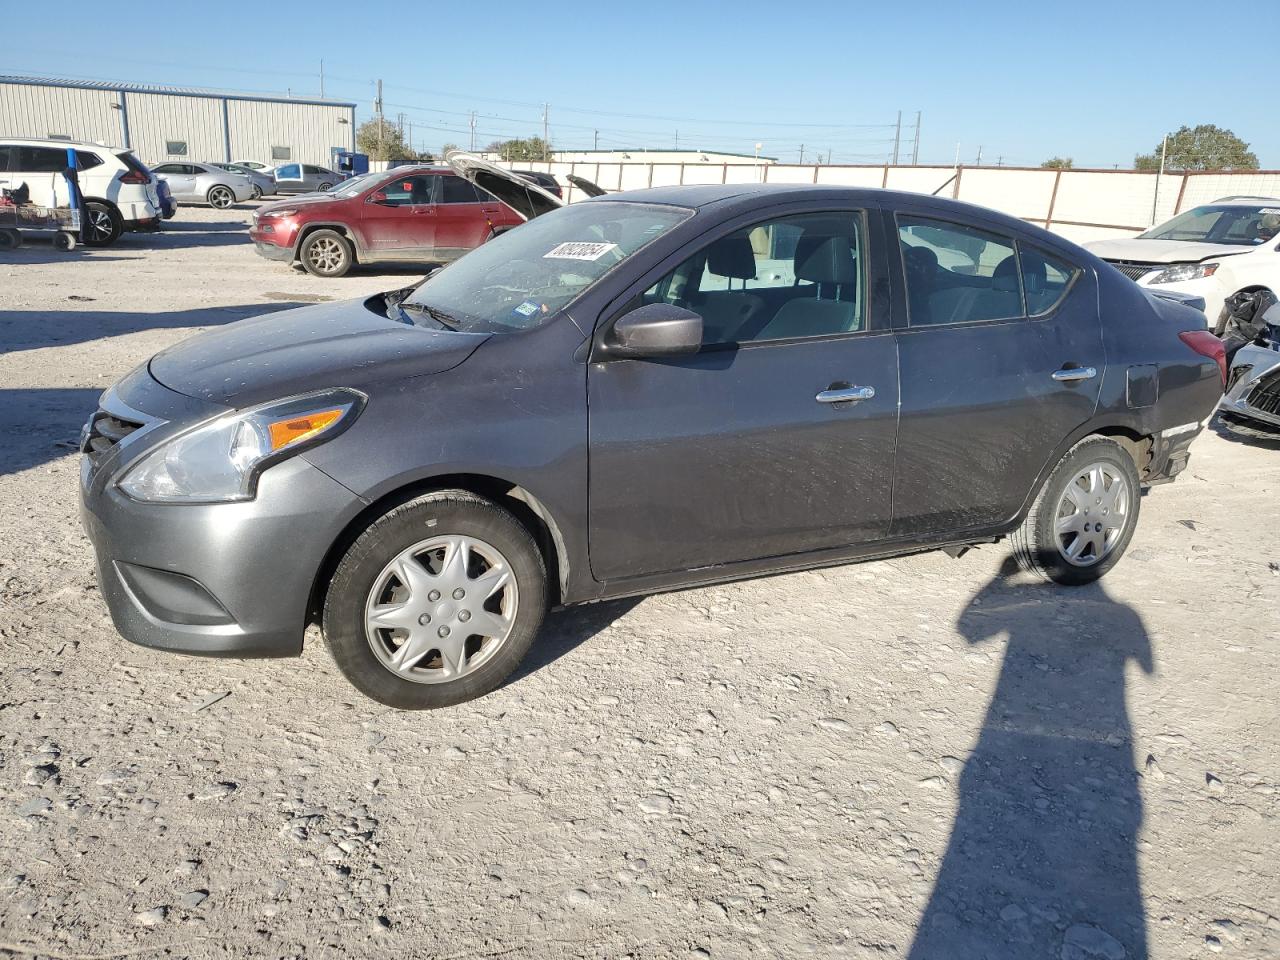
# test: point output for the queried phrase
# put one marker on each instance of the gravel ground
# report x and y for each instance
(920, 758)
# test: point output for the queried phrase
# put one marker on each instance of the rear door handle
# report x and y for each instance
(1071, 374)
(845, 394)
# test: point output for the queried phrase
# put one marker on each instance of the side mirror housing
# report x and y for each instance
(654, 330)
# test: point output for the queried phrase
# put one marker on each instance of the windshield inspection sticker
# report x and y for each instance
(526, 309)
(578, 250)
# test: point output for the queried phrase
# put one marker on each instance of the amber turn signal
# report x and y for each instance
(285, 432)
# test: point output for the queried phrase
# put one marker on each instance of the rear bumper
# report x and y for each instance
(1171, 451)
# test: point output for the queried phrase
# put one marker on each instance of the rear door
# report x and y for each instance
(399, 218)
(41, 168)
(181, 178)
(463, 216)
(1001, 359)
(778, 436)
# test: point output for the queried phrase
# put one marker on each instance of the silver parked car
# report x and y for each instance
(294, 178)
(204, 183)
(264, 185)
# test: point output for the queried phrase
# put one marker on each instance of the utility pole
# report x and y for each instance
(595, 143)
(546, 113)
(802, 153)
(978, 163)
(1155, 197)
(1000, 160)
(677, 139)
(322, 79)
(410, 141)
(915, 147)
(377, 109)
(473, 131)
(897, 138)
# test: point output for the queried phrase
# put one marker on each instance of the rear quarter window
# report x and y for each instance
(1045, 278)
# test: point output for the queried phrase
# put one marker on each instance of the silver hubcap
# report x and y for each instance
(441, 609)
(325, 254)
(220, 198)
(1092, 514)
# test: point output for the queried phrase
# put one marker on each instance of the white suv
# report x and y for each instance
(119, 191)
(1212, 251)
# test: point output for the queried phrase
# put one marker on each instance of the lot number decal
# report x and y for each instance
(578, 250)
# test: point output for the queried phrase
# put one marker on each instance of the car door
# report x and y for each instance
(778, 436)
(181, 178)
(398, 218)
(463, 216)
(41, 169)
(1001, 359)
(289, 179)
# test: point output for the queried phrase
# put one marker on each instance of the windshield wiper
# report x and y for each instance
(448, 321)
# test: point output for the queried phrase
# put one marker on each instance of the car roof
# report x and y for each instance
(77, 144)
(1241, 202)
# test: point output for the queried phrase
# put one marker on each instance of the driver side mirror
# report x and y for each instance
(654, 330)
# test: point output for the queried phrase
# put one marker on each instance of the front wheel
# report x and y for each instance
(221, 197)
(326, 253)
(436, 603)
(1084, 516)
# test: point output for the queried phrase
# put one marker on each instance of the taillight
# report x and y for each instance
(135, 176)
(1207, 345)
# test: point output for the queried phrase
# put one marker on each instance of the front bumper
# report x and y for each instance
(224, 579)
(1253, 384)
(272, 252)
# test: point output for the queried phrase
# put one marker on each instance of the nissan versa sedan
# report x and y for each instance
(639, 392)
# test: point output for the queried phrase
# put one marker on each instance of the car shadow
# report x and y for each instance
(42, 250)
(178, 234)
(40, 425)
(34, 329)
(565, 630)
(1042, 858)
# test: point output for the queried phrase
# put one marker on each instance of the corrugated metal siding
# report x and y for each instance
(155, 119)
(308, 130)
(29, 111)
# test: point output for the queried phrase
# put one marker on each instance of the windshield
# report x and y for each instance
(349, 188)
(521, 278)
(1237, 225)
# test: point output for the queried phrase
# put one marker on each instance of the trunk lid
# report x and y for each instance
(523, 196)
(309, 348)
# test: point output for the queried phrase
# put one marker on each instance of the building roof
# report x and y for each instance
(129, 87)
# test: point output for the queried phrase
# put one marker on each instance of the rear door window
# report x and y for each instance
(1045, 278)
(86, 160)
(6, 152)
(41, 160)
(456, 190)
(958, 274)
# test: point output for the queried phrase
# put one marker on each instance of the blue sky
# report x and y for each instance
(1023, 81)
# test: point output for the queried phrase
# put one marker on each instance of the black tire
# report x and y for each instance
(443, 513)
(1037, 545)
(64, 241)
(220, 197)
(10, 239)
(103, 224)
(326, 253)
(257, 192)
(324, 186)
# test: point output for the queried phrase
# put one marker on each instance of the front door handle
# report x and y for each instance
(1071, 374)
(834, 394)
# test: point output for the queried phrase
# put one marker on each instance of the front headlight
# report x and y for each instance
(220, 461)
(279, 213)
(1185, 271)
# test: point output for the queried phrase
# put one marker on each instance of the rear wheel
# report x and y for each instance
(326, 253)
(324, 186)
(1084, 516)
(436, 603)
(221, 197)
(257, 192)
(103, 224)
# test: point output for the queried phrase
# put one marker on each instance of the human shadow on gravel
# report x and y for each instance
(1042, 860)
(565, 630)
(33, 329)
(37, 426)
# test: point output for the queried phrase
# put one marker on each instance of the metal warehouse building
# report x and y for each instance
(172, 123)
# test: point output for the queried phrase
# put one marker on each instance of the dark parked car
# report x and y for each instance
(419, 214)
(642, 392)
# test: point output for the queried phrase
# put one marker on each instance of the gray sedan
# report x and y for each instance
(204, 183)
(264, 185)
(294, 178)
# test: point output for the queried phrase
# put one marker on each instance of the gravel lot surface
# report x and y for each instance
(917, 758)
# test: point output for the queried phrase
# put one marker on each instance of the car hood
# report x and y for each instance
(1161, 251)
(523, 196)
(302, 199)
(346, 344)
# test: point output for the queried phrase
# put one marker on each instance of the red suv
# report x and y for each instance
(407, 215)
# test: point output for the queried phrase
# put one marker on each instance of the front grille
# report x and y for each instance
(103, 432)
(1133, 269)
(1265, 397)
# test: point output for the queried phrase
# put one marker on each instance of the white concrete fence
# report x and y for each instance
(1081, 205)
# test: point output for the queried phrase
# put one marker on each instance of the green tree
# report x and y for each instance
(382, 141)
(1204, 147)
(533, 148)
(1058, 163)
